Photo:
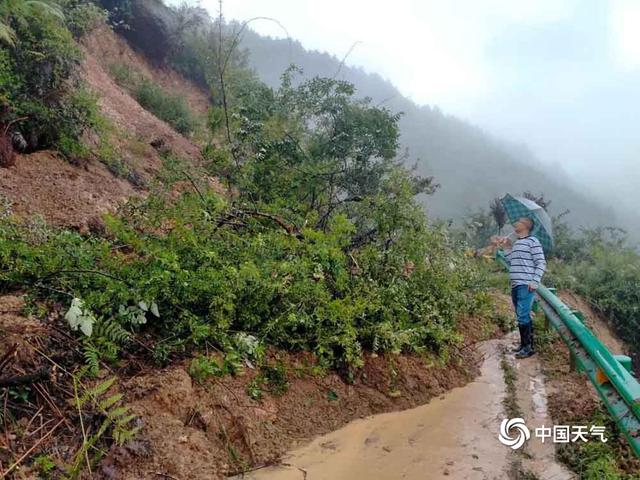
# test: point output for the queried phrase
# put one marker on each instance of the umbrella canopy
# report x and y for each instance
(518, 207)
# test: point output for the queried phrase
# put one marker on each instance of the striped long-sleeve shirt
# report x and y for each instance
(526, 261)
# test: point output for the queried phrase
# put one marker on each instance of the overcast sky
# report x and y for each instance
(562, 76)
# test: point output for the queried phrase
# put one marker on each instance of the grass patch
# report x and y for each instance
(595, 460)
(109, 155)
(170, 108)
(173, 109)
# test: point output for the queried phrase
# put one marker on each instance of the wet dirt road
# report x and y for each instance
(453, 437)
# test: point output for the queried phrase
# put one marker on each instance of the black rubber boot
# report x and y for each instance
(531, 341)
(526, 351)
(522, 334)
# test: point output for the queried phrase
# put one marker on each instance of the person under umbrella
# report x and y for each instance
(527, 265)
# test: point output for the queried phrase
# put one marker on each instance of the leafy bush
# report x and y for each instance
(39, 85)
(14, 12)
(596, 460)
(210, 281)
(173, 109)
(272, 377)
(322, 247)
(124, 75)
(82, 16)
(605, 269)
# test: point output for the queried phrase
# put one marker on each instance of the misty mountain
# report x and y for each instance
(471, 165)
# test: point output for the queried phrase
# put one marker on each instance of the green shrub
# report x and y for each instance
(173, 109)
(272, 377)
(82, 16)
(275, 376)
(209, 282)
(124, 75)
(606, 273)
(40, 83)
(595, 460)
(296, 259)
(72, 148)
(44, 465)
(203, 367)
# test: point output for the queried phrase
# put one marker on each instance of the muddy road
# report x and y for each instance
(454, 436)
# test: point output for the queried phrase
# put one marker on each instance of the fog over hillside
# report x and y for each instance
(497, 96)
(471, 165)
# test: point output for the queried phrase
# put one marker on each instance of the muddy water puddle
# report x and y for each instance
(454, 436)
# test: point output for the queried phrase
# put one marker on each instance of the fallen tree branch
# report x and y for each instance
(291, 230)
(84, 271)
(12, 122)
(195, 187)
(238, 214)
(40, 375)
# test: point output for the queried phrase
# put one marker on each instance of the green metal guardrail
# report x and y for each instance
(610, 374)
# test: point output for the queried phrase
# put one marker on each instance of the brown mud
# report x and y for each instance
(77, 195)
(453, 436)
(213, 430)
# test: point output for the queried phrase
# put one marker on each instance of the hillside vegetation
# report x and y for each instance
(177, 232)
(294, 228)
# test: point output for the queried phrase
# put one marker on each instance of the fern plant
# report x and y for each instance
(92, 358)
(107, 340)
(117, 419)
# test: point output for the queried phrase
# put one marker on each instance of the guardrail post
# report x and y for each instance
(625, 361)
(547, 325)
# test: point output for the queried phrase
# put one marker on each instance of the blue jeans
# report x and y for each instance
(522, 302)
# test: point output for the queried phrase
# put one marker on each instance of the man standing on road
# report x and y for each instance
(526, 267)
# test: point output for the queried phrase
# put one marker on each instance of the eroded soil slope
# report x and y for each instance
(76, 195)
